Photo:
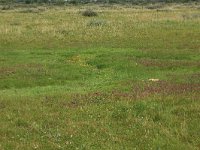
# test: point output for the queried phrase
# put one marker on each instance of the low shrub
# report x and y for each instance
(155, 6)
(6, 7)
(89, 13)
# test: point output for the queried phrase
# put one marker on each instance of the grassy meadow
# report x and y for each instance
(128, 78)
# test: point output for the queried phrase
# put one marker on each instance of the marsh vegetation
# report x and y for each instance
(126, 78)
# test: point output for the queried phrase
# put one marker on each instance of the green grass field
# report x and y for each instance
(73, 82)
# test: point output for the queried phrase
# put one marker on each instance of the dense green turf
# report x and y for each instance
(74, 82)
